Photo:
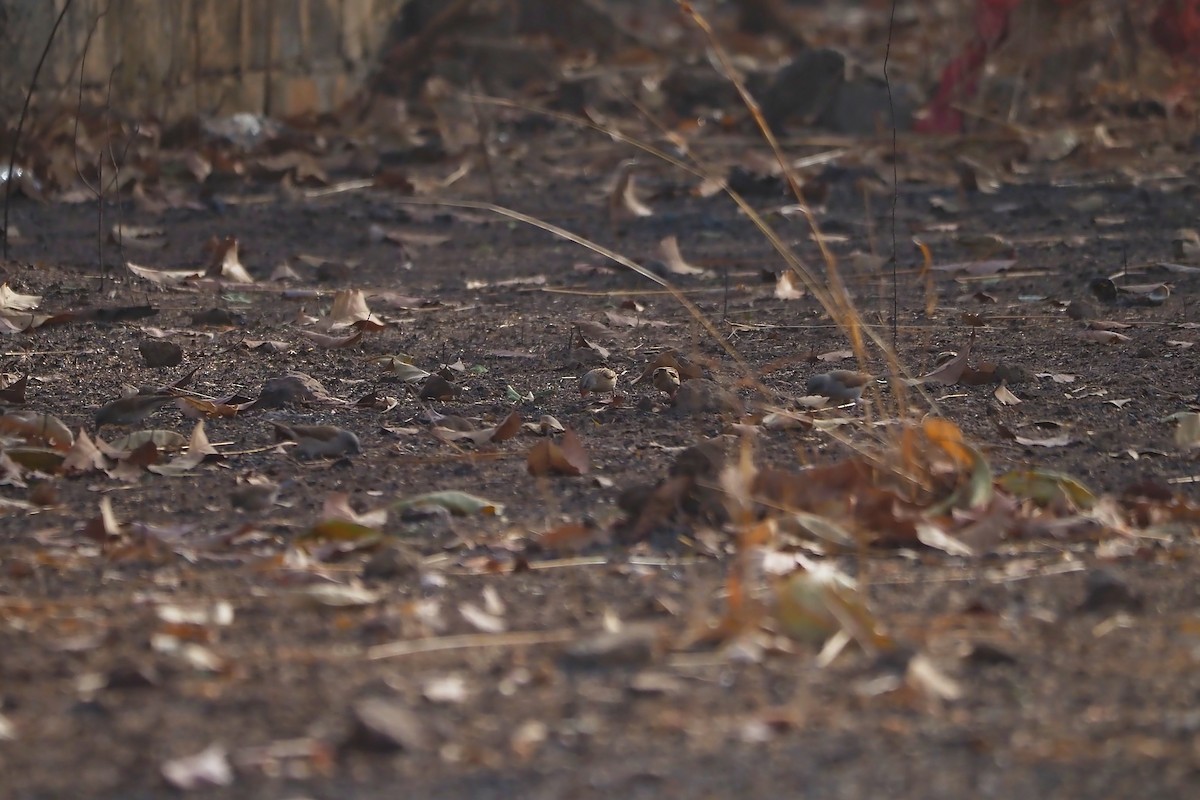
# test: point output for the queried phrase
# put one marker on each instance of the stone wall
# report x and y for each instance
(177, 57)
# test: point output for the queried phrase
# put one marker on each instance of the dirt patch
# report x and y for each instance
(197, 633)
(1059, 697)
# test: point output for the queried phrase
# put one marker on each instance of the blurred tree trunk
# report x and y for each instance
(429, 26)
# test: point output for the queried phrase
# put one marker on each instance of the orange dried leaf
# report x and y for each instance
(552, 458)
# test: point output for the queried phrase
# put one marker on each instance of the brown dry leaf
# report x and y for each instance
(332, 342)
(1108, 325)
(337, 507)
(925, 676)
(1105, 337)
(936, 537)
(787, 286)
(166, 441)
(349, 307)
(571, 536)
(1151, 294)
(635, 322)
(265, 345)
(436, 387)
(1187, 429)
(133, 465)
(948, 438)
(507, 429)
(548, 457)
(369, 326)
(104, 527)
(1006, 397)
(816, 603)
(204, 770)
(546, 425)
(33, 427)
(984, 374)
(196, 408)
(949, 373)
(84, 456)
(489, 620)
(592, 352)
(14, 303)
(835, 355)
(225, 264)
(657, 506)
(623, 202)
(672, 259)
(1062, 440)
(1052, 145)
(163, 277)
(199, 449)
(596, 330)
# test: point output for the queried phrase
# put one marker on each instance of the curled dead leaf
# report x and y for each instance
(673, 259)
(567, 457)
(787, 286)
(1104, 337)
(332, 342)
(623, 202)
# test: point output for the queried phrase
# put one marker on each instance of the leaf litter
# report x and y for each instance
(769, 532)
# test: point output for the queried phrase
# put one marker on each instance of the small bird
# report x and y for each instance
(840, 385)
(600, 379)
(325, 441)
(666, 379)
(131, 410)
(257, 495)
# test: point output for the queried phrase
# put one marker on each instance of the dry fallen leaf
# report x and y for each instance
(1062, 440)
(210, 767)
(787, 286)
(672, 259)
(949, 373)
(508, 428)
(332, 342)
(12, 302)
(567, 457)
(623, 202)
(1004, 396)
(1187, 429)
(1104, 337)
(225, 264)
(349, 307)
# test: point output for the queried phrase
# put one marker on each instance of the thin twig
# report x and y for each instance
(468, 641)
(887, 80)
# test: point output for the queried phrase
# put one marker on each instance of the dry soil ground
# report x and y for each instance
(193, 624)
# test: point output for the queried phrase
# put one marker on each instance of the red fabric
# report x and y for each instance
(1175, 29)
(960, 78)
